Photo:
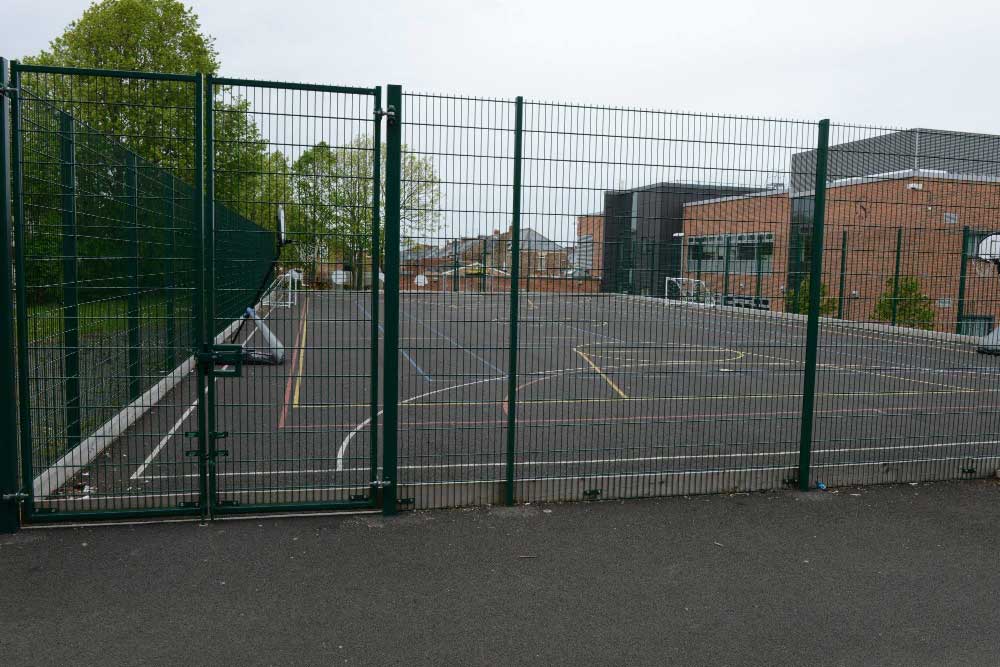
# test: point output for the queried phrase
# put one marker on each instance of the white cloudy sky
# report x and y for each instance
(911, 63)
(885, 63)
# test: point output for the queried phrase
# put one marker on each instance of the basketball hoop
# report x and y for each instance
(987, 260)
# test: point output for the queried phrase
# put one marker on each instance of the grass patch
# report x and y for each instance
(101, 317)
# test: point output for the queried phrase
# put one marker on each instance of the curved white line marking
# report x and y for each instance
(357, 429)
(361, 426)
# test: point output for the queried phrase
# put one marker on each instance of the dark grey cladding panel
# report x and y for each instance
(959, 153)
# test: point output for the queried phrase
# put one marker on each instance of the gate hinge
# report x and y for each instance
(16, 497)
(7, 90)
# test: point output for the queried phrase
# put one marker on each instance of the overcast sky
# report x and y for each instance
(909, 64)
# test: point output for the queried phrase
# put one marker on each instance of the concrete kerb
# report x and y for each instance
(875, 327)
(83, 454)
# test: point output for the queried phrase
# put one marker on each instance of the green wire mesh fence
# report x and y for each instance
(108, 237)
(504, 301)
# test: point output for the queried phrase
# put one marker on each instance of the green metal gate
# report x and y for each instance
(301, 433)
(145, 224)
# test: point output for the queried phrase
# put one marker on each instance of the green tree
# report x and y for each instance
(913, 307)
(797, 300)
(154, 119)
(333, 195)
(142, 35)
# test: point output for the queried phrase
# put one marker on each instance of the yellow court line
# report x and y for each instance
(598, 370)
(302, 358)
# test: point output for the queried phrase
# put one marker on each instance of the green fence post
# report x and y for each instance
(482, 269)
(759, 267)
(895, 275)
(812, 325)
(515, 276)
(376, 214)
(198, 298)
(725, 271)
(390, 392)
(21, 294)
(132, 321)
(71, 313)
(210, 453)
(963, 268)
(697, 264)
(10, 515)
(843, 275)
(168, 271)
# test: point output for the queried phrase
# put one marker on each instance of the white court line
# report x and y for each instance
(170, 434)
(357, 429)
(187, 413)
(570, 462)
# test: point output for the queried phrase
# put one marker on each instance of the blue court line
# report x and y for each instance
(453, 342)
(406, 354)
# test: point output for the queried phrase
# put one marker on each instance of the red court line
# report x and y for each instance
(295, 358)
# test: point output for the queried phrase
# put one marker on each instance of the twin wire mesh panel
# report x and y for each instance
(898, 397)
(593, 302)
(106, 232)
(301, 432)
(616, 393)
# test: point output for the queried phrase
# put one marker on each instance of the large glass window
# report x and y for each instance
(707, 254)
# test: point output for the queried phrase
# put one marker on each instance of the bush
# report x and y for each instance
(797, 300)
(913, 308)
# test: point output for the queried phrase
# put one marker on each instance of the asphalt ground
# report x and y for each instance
(886, 575)
(608, 386)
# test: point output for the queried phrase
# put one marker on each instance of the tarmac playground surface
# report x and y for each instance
(643, 392)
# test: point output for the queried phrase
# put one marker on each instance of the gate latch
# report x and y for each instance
(389, 113)
(381, 483)
(16, 497)
(223, 355)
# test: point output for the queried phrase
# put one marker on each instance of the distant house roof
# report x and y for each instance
(415, 252)
(532, 240)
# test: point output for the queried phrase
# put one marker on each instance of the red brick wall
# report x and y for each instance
(871, 213)
(744, 215)
(594, 226)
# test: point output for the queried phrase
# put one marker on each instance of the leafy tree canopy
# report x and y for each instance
(333, 188)
(142, 35)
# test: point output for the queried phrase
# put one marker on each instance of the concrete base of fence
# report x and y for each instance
(896, 472)
(277, 498)
(60, 472)
(647, 485)
(876, 327)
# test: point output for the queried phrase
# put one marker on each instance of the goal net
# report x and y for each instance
(283, 290)
(688, 289)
